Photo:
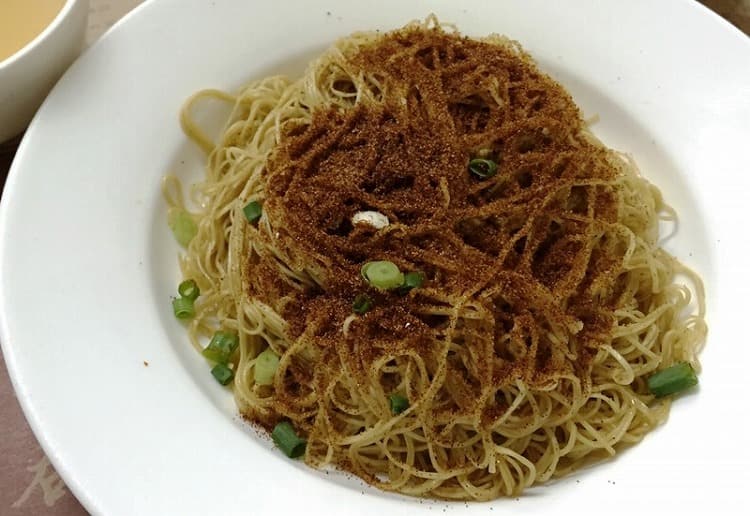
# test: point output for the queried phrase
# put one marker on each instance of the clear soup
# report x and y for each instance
(22, 20)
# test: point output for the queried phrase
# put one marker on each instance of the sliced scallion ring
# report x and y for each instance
(253, 210)
(183, 308)
(222, 373)
(221, 347)
(398, 403)
(362, 304)
(672, 380)
(383, 275)
(189, 289)
(183, 227)
(287, 440)
(265, 367)
(412, 280)
(483, 168)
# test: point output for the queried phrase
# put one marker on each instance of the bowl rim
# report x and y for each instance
(33, 43)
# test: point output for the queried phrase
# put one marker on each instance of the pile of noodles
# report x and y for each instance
(547, 300)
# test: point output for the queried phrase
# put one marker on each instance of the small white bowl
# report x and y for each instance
(28, 75)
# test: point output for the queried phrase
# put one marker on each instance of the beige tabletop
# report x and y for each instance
(28, 483)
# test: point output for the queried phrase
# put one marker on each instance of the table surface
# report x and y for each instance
(28, 483)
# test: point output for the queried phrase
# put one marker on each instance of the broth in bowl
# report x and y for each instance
(23, 20)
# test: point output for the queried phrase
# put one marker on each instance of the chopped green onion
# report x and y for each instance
(287, 440)
(183, 308)
(671, 380)
(484, 153)
(362, 304)
(483, 168)
(411, 280)
(253, 210)
(398, 403)
(222, 374)
(189, 289)
(265, 367)
(221, 347)
(183, 227)
(383, 275)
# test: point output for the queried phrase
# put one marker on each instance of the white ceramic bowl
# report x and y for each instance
(28, 75)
